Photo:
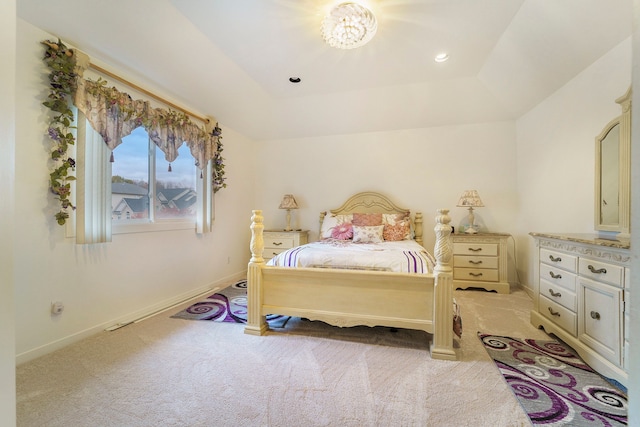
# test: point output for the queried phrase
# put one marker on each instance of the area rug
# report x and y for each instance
(228, 305)
(553, 385)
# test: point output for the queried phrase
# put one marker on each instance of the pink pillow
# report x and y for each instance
(399, 231)
(342, 231)
(367, 220)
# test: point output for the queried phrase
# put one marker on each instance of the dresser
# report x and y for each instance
(581, 284)
(480, 261)
(276, 241)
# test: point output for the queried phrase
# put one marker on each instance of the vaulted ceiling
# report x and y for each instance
(233, 58)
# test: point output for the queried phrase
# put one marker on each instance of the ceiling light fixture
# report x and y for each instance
(441, 57)
(348, 25)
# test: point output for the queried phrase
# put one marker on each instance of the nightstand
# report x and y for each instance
(276, 241)
(480, 261)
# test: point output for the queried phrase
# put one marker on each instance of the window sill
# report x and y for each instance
(125, 227)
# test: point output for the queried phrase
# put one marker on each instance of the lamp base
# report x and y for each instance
(471, 230)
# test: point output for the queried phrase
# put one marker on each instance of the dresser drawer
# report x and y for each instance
(559, 259)
(484, 249)
(602, 271)
(558, 314)
(559, 294)
(276, 242)
(557, 276)
(475, 274)
(471, 261)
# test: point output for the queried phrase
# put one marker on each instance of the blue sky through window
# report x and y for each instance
(131, 159)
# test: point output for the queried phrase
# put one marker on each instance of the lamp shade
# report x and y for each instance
(288, 202)
(470, 198)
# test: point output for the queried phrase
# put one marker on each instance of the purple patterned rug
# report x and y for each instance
(228, 305)
(553, 385)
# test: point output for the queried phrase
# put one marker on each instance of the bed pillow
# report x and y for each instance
(368, 234)
(342, 231)
(367, 219)
(330, 221)
(401, 230)
(397, 227)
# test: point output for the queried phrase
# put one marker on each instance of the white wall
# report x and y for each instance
(106, 283)
(556, 152)
(420, 169)
(7, 213)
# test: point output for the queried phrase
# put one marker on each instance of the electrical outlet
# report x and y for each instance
(228, 260)
(57, 307)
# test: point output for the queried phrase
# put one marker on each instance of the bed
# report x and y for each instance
(370, 296)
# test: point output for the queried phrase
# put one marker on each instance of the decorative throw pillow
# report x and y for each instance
(342, 231)
(366, 220)
(398, 231)
(368, 234)
(330, 221)
(397, 226)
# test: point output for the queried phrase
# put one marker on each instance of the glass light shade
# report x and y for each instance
(349, 25)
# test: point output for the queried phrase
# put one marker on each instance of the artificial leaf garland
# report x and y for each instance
(63, 84)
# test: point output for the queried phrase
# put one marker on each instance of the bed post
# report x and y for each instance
(256, 323)
(442, 344)
(417, 225)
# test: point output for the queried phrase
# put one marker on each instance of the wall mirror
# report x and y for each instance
(613, 173)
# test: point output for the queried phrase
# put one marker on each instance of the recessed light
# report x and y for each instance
(441, 57)
(294, 79)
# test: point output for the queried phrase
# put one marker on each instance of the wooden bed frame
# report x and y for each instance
(343, 297)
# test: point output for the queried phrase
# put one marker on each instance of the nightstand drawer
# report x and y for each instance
(471, 261)
(475, 274)
(278, 242)
(558, 259)
(559, 294)
(470, 248)
(557, 276)
(560, 315)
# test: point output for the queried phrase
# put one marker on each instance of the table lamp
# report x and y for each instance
(470, 199)
(288, 202)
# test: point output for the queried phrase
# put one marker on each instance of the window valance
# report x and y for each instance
(114, 115)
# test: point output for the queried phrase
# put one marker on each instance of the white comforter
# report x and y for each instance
(404, 256)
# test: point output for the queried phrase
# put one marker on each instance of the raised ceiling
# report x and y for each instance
(233, 58)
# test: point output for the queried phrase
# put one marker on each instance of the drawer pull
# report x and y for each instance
(553, 313)
(598, 271)
(475, 262)
(277, 243)
(475, 249)
(475, 274)
(595, 315)
(555, 276)
(553, 259)
(555, 294)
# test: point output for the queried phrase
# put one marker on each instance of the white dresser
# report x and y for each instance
(581, 286)
(276, 241)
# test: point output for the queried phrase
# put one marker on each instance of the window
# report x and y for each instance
(147, 187)
(181, 199)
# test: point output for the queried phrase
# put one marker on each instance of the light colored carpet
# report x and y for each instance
(174, 372)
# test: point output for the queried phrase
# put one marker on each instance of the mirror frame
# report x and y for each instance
(624, 170)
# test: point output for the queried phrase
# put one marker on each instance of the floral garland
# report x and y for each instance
(63, 84)
(218, 178)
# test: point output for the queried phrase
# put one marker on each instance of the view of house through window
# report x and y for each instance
(140, 179)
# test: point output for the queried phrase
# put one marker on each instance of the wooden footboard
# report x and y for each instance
(353, 297)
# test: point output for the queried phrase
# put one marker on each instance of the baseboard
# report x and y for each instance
(127, 319)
